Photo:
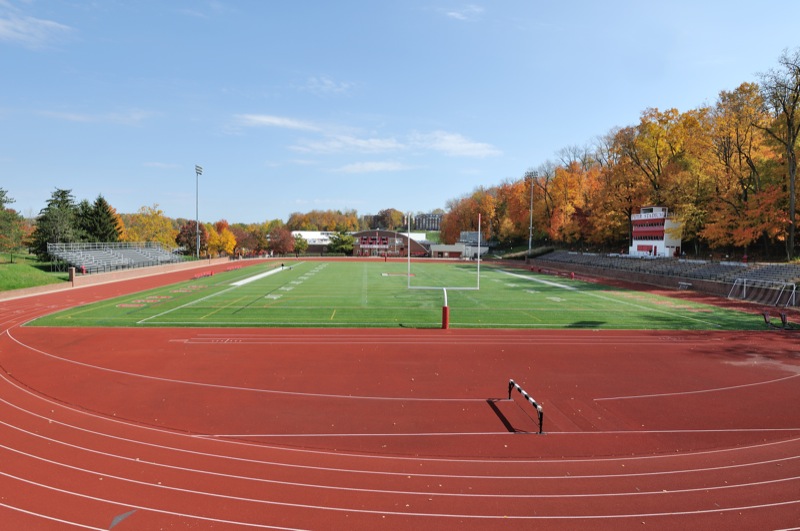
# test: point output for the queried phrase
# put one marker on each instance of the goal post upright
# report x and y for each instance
(479, 250)
(445, 306)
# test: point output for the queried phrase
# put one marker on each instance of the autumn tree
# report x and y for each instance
(780, 89)
(512, 224)
(741, 158)
(281, 241)
(300, 244)
(566, 188)
(221, 225)
(260, 234)
(150, 224)
(620, 192)
(246, 238)
(221, 240)
(461, 216)
(544, 203)
(213, 246)
(653, 146)
(227, 241)
(11, 226)
(187, 238)
(323, 220)
(690, 188)
(389, 219)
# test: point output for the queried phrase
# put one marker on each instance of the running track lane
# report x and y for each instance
(87, 436)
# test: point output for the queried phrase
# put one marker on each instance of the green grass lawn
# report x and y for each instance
(377, 294)
(25, 271)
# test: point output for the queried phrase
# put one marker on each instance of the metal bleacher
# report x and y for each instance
(681, 268)
(111, 256)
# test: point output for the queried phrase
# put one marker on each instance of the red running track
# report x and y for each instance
(136, 429)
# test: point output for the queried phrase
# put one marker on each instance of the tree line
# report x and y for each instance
(66, 220)
(727, 171)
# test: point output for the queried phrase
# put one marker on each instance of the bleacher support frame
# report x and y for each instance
(769, 292)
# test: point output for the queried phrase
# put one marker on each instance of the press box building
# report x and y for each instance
(655, 233)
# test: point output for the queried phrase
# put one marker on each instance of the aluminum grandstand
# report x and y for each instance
(688, 272)
(110, 256)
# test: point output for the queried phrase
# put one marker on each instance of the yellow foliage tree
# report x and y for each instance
(150, 224)
(213, 243)
(227, 242)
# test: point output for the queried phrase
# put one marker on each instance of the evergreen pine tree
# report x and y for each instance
(57, 223)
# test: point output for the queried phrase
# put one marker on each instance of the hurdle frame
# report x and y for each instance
(539, 412)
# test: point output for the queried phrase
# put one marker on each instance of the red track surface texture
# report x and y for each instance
(131, 429)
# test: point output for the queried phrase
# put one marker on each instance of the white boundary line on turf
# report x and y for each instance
(185, 305)
(234, 285)
(616, 301)
(256, 277)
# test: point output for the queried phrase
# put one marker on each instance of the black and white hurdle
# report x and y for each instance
(514, 385)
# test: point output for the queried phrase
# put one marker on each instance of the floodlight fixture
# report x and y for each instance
(198, 171)
(531, 175)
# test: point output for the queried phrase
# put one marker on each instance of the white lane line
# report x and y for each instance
(698, 391)
(514, 462)
(383, 512)
(490, 493)
(240, 388)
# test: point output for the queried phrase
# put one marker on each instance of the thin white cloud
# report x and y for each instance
(467, 12)
(454, 144)
(324, 86)
(267, 120)
(372, 167)
(331, 141)
(348, 143)
(29, 31)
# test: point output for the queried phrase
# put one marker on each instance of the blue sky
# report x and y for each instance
(351, 104)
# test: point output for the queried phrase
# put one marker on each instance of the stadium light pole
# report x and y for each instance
(530, 176)
(198, 171)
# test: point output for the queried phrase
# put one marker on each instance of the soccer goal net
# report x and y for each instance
(767, 292)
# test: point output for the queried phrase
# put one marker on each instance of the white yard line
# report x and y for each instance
(185, 305)
(540, 281)
(234, 285)
(256, 277)
(616, 301)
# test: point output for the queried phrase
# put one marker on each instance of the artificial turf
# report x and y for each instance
(382, 294)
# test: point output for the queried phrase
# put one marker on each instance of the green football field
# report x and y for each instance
(382, 294)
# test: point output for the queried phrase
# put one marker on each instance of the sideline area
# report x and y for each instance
(265, 274)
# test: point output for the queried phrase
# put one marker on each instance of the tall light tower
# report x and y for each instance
(198, 170)
(530, 176)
